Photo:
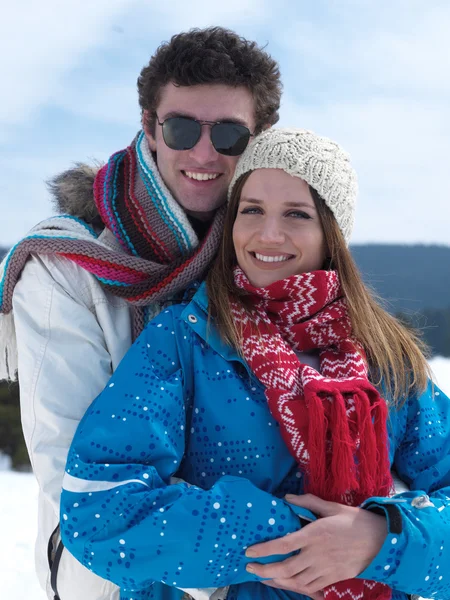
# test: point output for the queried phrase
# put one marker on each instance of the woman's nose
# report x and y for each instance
(271, 232)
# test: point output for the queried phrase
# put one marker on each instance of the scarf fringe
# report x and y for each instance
(368, 463)
(380, 417)
(343, 449)
(317, 450)
(8, 347)
(344, 468)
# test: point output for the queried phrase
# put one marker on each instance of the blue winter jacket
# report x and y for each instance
(183, 404)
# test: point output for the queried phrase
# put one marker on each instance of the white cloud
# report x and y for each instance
(179, 15)
(43, 40)
(384, 45)
(372, 74)
(114, 102)
(111, 96)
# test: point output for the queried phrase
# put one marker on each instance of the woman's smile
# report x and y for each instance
(270, 260)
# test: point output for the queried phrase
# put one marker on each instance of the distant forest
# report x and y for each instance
(413, 281)
(410, 278)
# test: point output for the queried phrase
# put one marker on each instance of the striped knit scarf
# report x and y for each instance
(333, 422)
(161, 253)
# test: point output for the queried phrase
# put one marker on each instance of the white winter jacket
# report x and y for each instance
(71, 335)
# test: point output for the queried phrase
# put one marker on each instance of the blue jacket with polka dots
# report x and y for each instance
(178, 466)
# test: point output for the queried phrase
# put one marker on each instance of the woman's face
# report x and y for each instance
(277, 232)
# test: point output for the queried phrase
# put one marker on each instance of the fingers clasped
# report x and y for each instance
(280, 570)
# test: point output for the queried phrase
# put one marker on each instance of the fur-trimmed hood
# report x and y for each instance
(72, 192)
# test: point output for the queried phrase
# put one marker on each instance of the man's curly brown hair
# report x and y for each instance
(209, 56)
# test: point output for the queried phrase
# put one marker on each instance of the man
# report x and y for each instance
(139, 232)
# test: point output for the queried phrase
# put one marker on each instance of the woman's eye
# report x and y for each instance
(250, 210)
(298, 214)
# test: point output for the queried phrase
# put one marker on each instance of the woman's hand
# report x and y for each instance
(338, 546)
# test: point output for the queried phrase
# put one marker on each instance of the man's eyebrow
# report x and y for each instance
(224, 119)
(287, 204)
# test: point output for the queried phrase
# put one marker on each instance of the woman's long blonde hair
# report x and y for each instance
(396, 355)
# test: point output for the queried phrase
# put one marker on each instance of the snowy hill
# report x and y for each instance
(18, 514)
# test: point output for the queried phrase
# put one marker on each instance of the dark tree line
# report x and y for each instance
(11, 437)
(434, 326)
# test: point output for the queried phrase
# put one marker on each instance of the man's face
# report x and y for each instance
(178, 168)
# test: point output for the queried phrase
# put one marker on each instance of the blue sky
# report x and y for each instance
(374, 75)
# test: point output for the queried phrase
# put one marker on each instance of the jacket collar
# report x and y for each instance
(196, 316)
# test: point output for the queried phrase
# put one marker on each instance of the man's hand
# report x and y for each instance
(338, 546)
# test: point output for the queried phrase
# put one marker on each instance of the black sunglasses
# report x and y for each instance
(182, 133)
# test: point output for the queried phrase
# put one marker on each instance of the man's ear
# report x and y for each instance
(148, 134)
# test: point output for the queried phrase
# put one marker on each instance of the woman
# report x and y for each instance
(281, 376)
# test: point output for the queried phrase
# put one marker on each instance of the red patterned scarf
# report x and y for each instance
(333, 422)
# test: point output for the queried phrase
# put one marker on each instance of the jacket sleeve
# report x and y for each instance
(120, 517)
(415, 557)
(64, 360)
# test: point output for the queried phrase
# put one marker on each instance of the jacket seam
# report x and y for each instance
(38, 369)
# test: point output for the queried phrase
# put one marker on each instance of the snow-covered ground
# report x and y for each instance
(441, 370)
(18, 510)
(18, 500)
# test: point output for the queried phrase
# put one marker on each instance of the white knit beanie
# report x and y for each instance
(322, 163)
